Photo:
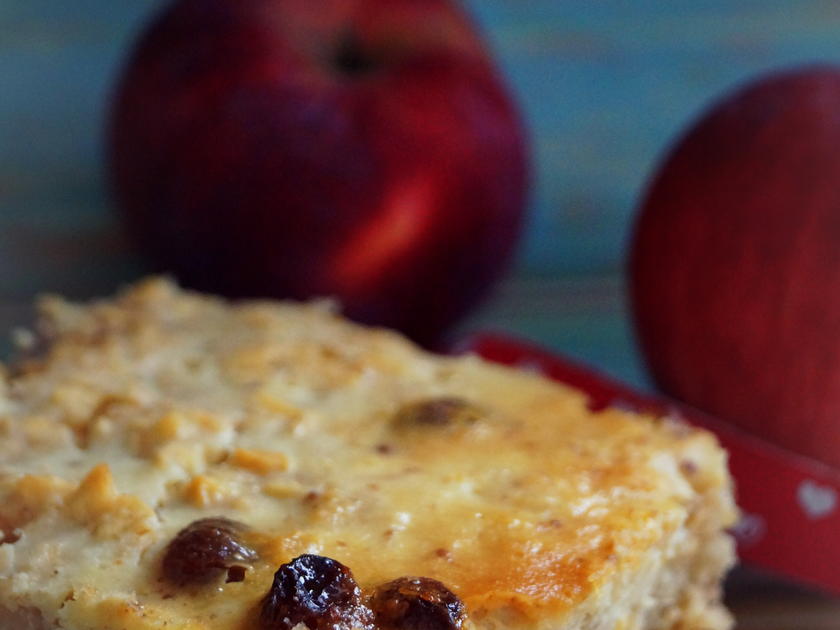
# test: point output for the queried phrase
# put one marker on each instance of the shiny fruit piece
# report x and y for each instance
(206, 549)
(417, 603)
(443, 412)
(360, 149)
(315, 591)
(735, 264)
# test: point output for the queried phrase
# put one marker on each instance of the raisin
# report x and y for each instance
(437, 412)
(316, 591)
(236, 573)
(9, 534)
(206, 549)
(416, 603)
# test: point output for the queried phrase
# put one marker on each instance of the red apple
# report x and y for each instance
(363, 149)
(735, 266)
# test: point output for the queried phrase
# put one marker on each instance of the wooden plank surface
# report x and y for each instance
(605, 87)
(762, 602)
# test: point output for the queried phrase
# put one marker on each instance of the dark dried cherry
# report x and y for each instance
(206, 549)
(416, 603)
(437, 412)
(317, 591)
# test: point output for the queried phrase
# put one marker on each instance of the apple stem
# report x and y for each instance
(350, 58)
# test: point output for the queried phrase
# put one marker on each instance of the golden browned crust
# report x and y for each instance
(161, 407)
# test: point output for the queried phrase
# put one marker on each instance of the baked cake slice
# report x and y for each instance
(173, 461)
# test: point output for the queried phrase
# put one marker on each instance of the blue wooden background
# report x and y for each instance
(605, 86)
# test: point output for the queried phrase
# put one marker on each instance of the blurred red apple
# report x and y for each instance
(735, 267)
(364, 149)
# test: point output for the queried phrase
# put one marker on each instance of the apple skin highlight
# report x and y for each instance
(358, 149)
(735, 264)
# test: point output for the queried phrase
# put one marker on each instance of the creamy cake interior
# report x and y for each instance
(140, 415)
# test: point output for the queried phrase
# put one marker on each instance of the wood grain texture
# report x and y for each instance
(763, 602)
(605, 87)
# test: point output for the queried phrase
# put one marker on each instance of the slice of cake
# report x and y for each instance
(172, 461)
